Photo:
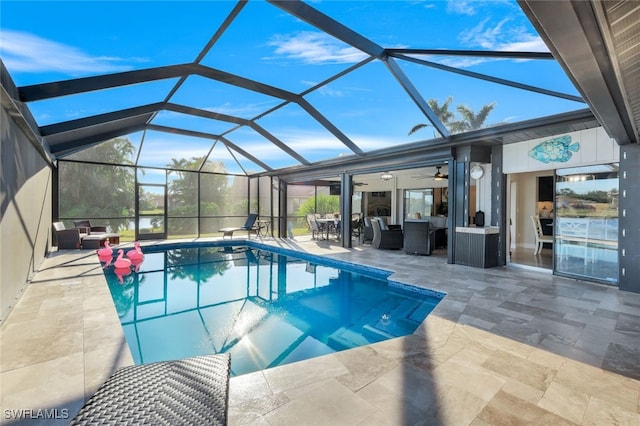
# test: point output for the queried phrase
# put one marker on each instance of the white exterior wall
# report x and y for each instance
(596, 147)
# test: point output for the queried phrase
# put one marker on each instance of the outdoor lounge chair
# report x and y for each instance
(386, 238)
(248, 226)
(79, 237)
(68, 239)
(384, 225)
(190, 391)
(87, 224)
(96, 234)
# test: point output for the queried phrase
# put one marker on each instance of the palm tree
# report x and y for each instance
(441, 111)
(471, 120)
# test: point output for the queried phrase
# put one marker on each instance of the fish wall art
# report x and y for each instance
(558, 149)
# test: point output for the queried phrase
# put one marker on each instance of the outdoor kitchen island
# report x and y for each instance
(476, 246)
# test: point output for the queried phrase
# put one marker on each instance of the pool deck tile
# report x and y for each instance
(505, 346)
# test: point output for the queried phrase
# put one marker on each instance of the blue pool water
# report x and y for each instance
(265, 308)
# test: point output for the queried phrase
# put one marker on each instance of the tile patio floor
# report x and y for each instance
(506, 346)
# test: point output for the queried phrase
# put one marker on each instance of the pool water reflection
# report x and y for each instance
(264, 308)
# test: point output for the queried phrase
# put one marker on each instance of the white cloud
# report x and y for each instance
(423, 3)
(264, 151)
(501, 37)
(247, 110)
(315, 48)
(159, 148)
(462, 62)
(461, 7)
(483, 35)
(328, 91)
(24, 52)
(496, 39)
(369, 142)
(304, 140)
(530, 43)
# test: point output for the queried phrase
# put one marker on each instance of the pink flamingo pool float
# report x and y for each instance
(136, 252)
(121, 262)
(106, 251)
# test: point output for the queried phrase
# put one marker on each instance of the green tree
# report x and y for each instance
(113, 151)
(214, 190)
(183, 190)
(183, 187)
(321, 203)
(597, 196)
(96, 191)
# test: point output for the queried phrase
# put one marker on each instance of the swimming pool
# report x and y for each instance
(264, 307)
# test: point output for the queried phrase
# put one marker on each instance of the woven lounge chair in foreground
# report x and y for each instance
(191, 391)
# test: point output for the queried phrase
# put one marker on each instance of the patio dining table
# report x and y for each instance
(327, 224)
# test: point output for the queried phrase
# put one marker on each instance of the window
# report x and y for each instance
(418, 201)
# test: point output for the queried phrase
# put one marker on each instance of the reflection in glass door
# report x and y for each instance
(151, 208)
(586, 222)
(418, 203)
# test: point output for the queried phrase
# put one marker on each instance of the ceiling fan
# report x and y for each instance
(437, 176)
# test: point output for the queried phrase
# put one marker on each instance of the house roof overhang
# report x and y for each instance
(598, 45)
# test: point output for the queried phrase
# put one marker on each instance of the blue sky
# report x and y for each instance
(51, 41)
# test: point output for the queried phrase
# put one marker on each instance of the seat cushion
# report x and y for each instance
(93, 241)
(383, 223)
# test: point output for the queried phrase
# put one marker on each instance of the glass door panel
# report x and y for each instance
(152, 208)
(418, 203)
(586, 222)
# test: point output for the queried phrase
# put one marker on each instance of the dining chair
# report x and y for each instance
(540, 237)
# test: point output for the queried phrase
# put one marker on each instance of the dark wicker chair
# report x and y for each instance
(88, 228)
(68, 239)
(419, 237)
(95, 235)
(384, 225)
(386, 238)
(438, 226)
(367, 230)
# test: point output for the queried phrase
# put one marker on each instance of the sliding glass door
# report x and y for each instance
(586, 222)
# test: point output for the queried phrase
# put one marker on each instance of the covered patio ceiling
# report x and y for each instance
(282, 87)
